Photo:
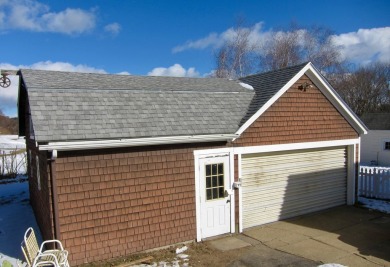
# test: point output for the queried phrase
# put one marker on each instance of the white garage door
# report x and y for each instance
(281, 185)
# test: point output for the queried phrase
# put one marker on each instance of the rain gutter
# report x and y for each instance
(100, 144)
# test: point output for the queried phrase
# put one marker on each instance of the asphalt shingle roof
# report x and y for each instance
(78, 106)
(376, 121)
(75, 80)
(267, 84)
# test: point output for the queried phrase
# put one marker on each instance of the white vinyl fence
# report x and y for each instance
(374, 182)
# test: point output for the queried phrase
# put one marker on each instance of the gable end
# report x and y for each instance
(298, 116)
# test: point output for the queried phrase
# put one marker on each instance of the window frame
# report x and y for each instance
(386, 145)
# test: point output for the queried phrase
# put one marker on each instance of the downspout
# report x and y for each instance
(54, 194)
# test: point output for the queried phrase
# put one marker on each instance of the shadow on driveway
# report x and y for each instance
(346, 235)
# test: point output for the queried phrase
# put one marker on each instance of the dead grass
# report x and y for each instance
(200, 255)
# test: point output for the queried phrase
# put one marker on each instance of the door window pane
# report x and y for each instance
(214, 175)
(209, 194)
(208, 182)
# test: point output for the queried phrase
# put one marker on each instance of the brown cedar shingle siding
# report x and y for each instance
(298, 116)
(113, 203)
(41, 199)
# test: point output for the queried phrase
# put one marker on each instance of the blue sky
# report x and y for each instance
(168, 37)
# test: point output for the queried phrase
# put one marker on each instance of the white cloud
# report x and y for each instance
(215, 40)
(175, 70)
(9, 95)
(2, 18)
(62, 66)
(70, 21)
(113, 28)
(124, 73)
(35, 16)
(365, 45)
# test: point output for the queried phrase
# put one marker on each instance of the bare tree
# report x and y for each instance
(298, 45)
(281, 51)
(242, 55)
(236, 57)
(366, 89)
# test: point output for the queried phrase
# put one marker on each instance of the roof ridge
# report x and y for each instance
(124, 75)
(277, 70)
(134, 90)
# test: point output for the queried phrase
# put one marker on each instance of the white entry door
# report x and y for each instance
(214, 196)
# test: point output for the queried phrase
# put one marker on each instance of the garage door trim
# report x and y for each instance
(351, 162)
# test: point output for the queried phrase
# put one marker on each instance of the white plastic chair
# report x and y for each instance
(40, 256)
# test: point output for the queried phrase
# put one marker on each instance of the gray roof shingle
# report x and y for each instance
(131, 107)
(267, 84)
(75, 80)
(78, 106)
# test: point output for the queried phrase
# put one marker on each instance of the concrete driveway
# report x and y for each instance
(345, 235)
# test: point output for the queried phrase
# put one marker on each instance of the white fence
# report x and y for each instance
(374, 182)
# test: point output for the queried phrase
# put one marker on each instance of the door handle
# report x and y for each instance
(228, 192)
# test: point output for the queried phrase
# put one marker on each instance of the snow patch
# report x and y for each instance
(181, 250)
(182, 256)
(16, 216)
(180, 261)
(375, 204)
(11, 142)
(9, 161)
(14, 262)
(247, 86)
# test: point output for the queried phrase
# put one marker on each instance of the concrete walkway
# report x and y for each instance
(345, 235)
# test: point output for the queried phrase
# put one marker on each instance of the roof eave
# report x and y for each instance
(150, 141)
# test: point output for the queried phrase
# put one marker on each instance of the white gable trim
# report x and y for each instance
(335, 99)
(272, 100)
(323, 86)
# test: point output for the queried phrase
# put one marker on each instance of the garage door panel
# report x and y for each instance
(254, 166)
(277, 211)
(278, 185)
(274, 192)
(281, 181)
(292, 168)
(273, 198)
